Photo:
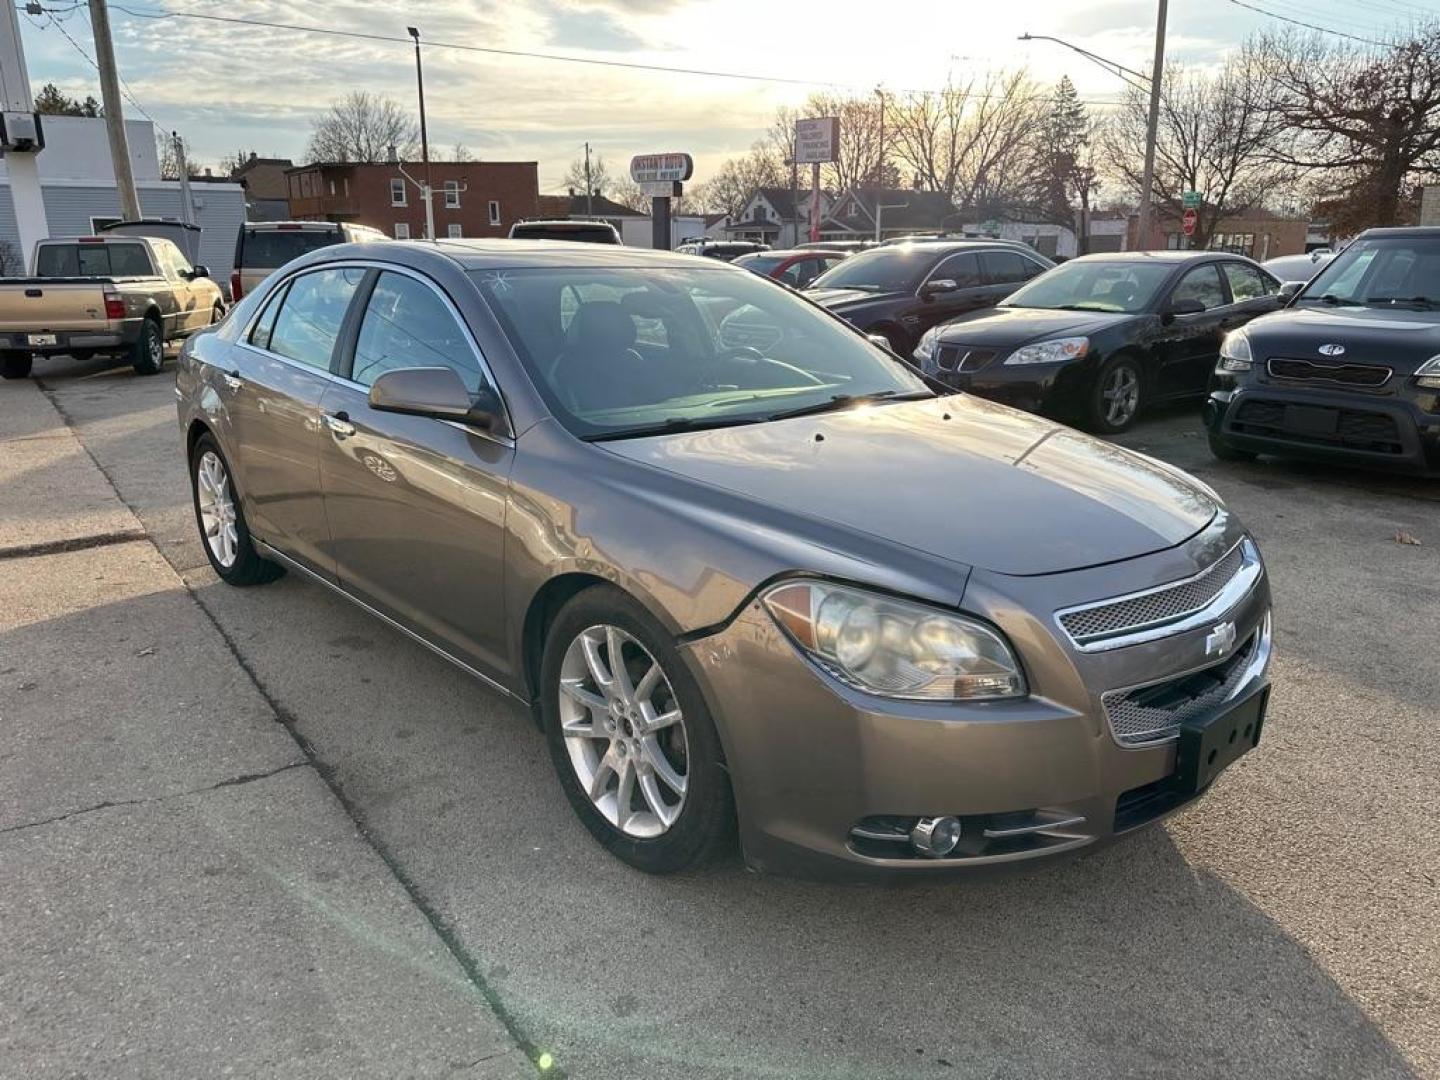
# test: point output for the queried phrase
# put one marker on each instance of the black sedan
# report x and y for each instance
(1349, 371)
(899, 292)
(1101, 337)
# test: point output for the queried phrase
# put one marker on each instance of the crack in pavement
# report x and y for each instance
(74, 543)
(327, 773)
(234, 781)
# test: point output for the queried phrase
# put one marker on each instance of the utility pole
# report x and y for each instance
(589, 188)
(24, 174)
(1147, 182)
(114, 114)
(880, 163)
(428, 189)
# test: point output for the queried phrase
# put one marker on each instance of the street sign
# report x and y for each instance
(817, 140)
(657, 168)
(662, 189)
(1190, 199)
(1188, 222)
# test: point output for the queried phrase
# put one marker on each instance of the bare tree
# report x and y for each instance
(1217, 136)
(601, 180)
(730, 188)
(362, 128)
(626, 192)
(461, 152)
(170, 158)
(1365, 121)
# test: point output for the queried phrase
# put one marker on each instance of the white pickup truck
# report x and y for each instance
(123, 295)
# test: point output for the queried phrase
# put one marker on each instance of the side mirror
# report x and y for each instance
(199, 270)
(1290, 288)
(1188, 306)
(881, 341)
(938, 286)
(436, 392)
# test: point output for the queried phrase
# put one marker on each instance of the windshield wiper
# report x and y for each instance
(1419, 301)
(672, 425)
(1085, 307)
(841, 401)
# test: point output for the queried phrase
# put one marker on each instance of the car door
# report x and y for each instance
(192, 313)
(1189, 345)
(1006, 271)
(970, 293)
(1253, 292)
(272, 401)
(416, 506)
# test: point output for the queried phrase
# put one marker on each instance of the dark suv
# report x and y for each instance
(1349, 370)
(899, 291)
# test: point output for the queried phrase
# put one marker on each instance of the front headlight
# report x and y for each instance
(1050, 352)
(1428, 374)
(926, 348)
(895, 648)
(1235, 352)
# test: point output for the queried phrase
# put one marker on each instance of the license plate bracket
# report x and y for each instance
(1311, 420)
(1208, 747)
(42, 339)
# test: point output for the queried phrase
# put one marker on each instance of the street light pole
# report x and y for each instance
(1147, 182)
(424, 138)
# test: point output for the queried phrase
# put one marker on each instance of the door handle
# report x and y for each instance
(233, 380)
(340, 424)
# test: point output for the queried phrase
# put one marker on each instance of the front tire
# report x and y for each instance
(148, 353)
(631, 737)
(1117, 396)
(16, 365)
(223, 532)
(1223, 451)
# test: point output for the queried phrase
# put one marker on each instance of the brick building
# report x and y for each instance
(266, 190)
(1254, 232)
(471, 198)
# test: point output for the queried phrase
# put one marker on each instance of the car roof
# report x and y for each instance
(301, 226)
(1156, 256)
(495, 253)
(1412, 232)
(796, 253)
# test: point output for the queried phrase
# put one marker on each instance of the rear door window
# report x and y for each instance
(308, 323)
(268, 248)
(1008, 267)
(1248, 282)
(962, 268)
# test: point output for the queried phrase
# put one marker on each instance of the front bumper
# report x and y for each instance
(1058, 389)
(1395, 432)
(812, 761)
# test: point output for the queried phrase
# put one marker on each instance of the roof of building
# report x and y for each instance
(408, 164)
(904, 209)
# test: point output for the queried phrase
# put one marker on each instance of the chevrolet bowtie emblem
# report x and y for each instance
(1220, 640)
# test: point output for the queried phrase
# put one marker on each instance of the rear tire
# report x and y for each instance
(16, 365)
(1116, 397)
(1225, 452)
(148, 353)
(221, 520)
(645, 822)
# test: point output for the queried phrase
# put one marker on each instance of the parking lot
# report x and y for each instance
(256, 829)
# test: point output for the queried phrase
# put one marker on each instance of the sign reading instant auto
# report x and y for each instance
(817, 140)
(659, 168)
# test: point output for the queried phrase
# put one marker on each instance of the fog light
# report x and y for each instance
(935, 836)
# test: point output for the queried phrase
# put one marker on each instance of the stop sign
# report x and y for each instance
(1188, 221)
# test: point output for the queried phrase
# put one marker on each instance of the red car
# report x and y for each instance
(796, 268)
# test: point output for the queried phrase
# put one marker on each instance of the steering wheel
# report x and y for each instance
(750, 358)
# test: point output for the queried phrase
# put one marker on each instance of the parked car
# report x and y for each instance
(122, 295)
(696, 565)
(724, 250)
(588, 232)
(899, 292)
(1102, 337)
(1349, 371)
(850, 247)
(262, 247)
(796, 268)
(1298, 268)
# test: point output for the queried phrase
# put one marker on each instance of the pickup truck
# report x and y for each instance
(123, 295)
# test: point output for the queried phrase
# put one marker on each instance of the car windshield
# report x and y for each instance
(890, 269)
(1381, 272)
(1117, 286)
(620, 352)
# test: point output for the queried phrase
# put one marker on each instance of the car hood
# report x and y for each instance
(835, 298)
(1399, 338)
(1003, 327)
(959, 478)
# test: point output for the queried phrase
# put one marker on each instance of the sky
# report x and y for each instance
(229, 87)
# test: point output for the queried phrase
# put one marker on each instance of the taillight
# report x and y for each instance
(114, 306)
(234, 285)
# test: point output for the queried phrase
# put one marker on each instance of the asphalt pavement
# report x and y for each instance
(1288, 925)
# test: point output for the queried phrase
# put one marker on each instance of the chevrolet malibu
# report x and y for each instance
(750, 572)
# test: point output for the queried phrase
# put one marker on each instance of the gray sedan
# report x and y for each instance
(752, 573)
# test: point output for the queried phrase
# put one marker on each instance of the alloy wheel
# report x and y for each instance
(624, 731)
(217, 508)
(156, 348)
(1121, 394)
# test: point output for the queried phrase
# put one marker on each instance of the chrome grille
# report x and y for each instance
(1154, 713)
(1344, 374)
(1168, 603)
(963, 359)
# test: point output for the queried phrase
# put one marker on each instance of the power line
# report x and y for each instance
(1313, 26)
(432, 43)
(124, 86)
